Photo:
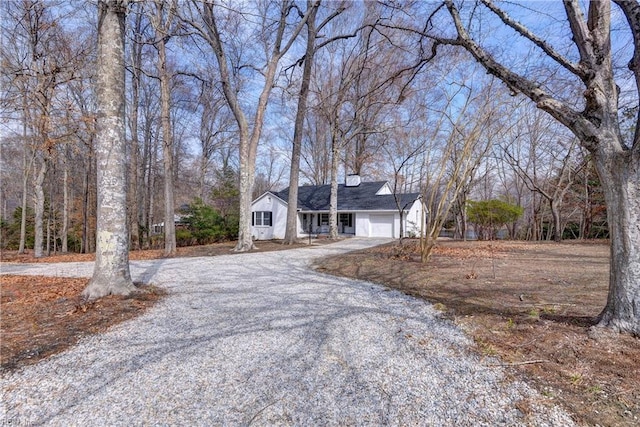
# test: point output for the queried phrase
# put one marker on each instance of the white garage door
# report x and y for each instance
(381, 225)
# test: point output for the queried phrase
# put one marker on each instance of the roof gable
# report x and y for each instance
(384, 190)
(272, 194)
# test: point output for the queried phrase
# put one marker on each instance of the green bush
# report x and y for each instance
(206, 225)
(184, 238)
(489, 216)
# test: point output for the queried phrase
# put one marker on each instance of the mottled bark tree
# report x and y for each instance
(596, 124)
(111, 272)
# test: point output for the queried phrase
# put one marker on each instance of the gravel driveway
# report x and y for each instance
(261, 339)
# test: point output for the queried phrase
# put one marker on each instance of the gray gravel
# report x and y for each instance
(261, 339)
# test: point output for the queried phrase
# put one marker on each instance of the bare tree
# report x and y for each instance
(134, 150)
(111, 272)
(463, 126)
(277, 39)
(555, 178)
(40, 61)
(594, 120)
(403, 153)
(215, 133)
(162, 19)
(291, 231)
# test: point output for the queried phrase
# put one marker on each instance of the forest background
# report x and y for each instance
(379, 105)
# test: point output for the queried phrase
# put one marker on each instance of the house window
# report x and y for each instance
(323, 219)
(261, 218)
(346, 219)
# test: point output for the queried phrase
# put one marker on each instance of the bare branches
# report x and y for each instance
(631, 10)
(525, 32)
(518, 83)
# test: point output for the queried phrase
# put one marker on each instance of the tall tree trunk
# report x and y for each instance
(167, 151)
(291, 232)
(151, 191)
(333, 200)
(85, 212)
(50, 217)
(39, 209)
(23, 215)
(134, 205)
(111, 272)
(145, 184)
(65, 206)
(26, 167)
(247, 176)
(202, 178)
(557, 223)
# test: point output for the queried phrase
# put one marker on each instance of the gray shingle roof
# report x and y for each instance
(360, 198)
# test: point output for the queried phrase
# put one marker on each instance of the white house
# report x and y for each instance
(367, 209)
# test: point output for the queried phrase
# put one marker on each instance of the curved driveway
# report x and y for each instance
(261, 339)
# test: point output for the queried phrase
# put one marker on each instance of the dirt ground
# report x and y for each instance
(533, 306)
(44, 315)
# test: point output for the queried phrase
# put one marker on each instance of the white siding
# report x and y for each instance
(269, 203)
(413, 219)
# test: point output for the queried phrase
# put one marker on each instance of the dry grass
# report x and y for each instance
(531, 304)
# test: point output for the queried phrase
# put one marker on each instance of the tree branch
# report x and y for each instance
(561, 111)
(581, 34)
(631, 10)
(546, 47)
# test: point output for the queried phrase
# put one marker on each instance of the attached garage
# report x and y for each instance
(381, 225)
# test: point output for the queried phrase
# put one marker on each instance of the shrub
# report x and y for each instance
(206, 225)
(489, 216)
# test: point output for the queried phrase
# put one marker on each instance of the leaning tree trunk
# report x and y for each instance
(620, 176)
(111, 272)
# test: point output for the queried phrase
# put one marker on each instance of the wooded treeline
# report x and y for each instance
(376, 105)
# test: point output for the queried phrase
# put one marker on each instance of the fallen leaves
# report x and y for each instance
(44, 315)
